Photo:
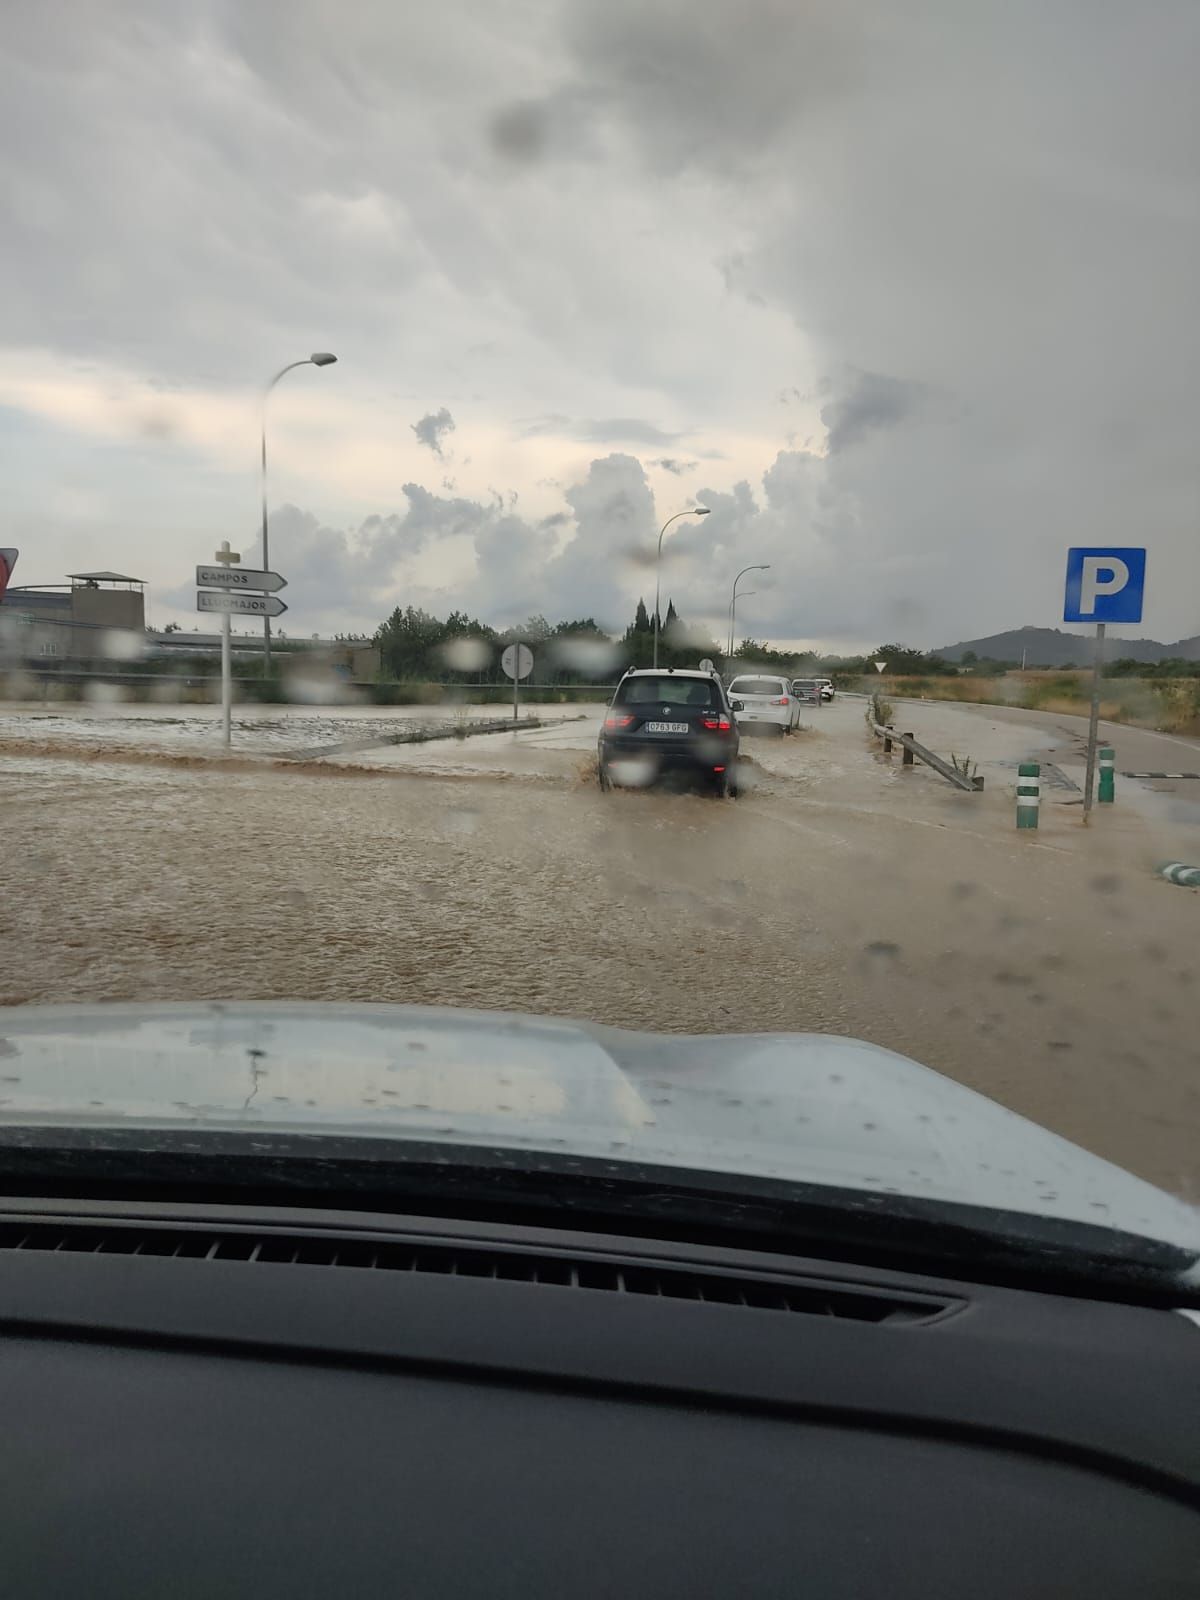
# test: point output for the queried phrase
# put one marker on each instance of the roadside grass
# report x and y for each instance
(879, 712)
(1169, 705)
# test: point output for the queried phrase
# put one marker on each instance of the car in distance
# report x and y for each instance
(812, 691)
(664, 722)
(764, 701)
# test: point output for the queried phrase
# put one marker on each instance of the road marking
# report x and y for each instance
(1187, 744)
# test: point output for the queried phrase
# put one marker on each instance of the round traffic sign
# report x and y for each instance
(708, 665)
(517, 660)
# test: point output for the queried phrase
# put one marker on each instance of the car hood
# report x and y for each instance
(803, 1108)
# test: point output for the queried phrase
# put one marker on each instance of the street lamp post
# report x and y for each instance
(319, 358)
(743, 594)
(695, 511)
(764, 567)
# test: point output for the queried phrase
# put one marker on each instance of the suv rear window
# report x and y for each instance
(771, 686)
(668, 690)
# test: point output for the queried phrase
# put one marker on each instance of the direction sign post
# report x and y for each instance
(227, 558)
(1103, 585)
(217, 589)
(517, 661)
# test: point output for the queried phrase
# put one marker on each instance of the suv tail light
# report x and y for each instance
(782, 701)
(720, 724)
(617, 721)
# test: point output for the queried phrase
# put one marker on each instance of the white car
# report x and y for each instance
(761, 700)
(816, 690)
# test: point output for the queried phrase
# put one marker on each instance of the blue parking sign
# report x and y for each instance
(1104, 585)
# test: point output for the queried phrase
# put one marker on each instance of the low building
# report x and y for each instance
(72, 621)
(101, 617)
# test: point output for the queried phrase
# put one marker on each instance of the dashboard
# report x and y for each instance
(270, 1401)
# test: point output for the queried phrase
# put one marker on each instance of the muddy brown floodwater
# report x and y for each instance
(1041, 974)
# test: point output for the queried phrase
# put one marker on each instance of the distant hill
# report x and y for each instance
(1050, 647)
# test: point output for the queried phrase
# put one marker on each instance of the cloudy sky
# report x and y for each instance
(906, 293)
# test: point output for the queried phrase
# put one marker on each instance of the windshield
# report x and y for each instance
(751, 686)
(668, 691)
(416, 435)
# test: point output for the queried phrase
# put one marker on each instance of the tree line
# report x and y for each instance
(416, 646)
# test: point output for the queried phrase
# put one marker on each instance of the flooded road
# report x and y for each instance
(839, 895)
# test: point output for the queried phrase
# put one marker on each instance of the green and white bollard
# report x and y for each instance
(1176, 872)
(1108, 777)
(1029, 794)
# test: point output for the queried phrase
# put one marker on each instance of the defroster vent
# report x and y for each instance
(366, 1252)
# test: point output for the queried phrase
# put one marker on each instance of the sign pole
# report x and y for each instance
(1093, 723)
(517, 661)
(227, 558)
(1104, 584)
(226, 680)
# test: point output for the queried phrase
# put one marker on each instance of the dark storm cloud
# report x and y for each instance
(709, 84)
(520, 131)
(433, 428)
(1003, 214)
(864, 402)
(670, 464)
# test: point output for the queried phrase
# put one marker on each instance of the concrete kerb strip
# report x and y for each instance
(422, 733)
(1176, 872)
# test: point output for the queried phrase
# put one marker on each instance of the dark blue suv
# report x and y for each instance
(663, 721)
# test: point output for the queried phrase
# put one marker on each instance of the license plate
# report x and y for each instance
(666, 727)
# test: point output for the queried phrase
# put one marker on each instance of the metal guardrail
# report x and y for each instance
(914, 751)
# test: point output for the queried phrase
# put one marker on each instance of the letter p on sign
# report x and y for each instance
(1104, 585)
(1102, 575)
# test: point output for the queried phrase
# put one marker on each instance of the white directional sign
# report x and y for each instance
(249, 605)
(517, 661)
(239, 578)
